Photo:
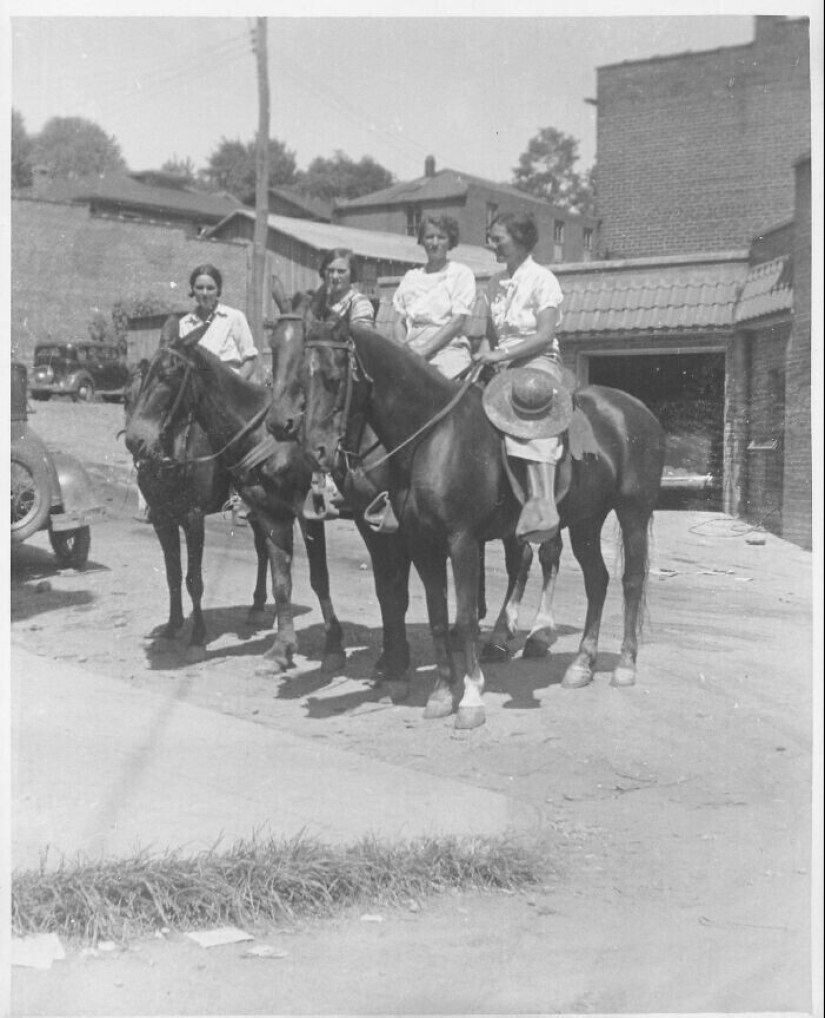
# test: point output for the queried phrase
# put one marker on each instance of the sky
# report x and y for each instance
(471, 91)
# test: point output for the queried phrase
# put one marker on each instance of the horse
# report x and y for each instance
(184, 383)
(450, 489)
(179, 499)
(373, 475)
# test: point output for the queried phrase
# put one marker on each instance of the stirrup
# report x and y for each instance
(320, 504)
(379, 515)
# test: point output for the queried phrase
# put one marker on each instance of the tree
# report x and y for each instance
(232, 167)
(183, 168)
(547, 170)
(342, 177)
(21, 149)
(74, 147)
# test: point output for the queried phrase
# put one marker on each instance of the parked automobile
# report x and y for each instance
(49, 490)
(80, 370)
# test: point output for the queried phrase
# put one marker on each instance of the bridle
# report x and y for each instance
(170, 462)
(355, 370)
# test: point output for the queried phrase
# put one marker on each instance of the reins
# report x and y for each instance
(354, 361)
(248, 427)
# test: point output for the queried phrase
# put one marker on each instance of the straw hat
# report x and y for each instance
(528, 403)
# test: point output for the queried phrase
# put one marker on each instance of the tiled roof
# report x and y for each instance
(380, 246)
(648, 303)
(768, 288)
(443, 184)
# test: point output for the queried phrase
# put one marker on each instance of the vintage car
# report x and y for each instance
(49, 490)
(80, 370)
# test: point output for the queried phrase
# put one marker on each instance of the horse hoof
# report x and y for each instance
(577, 676)
(195, 652)
(396, 689)
(494, 652)
(535, 647)
(623, 675)
(469, 717)
(334, 662)
(439, 705)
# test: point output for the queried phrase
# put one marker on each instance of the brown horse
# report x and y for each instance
(192, 384)
(179, 499)
(450, 490)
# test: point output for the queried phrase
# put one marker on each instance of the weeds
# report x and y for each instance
(258, 882)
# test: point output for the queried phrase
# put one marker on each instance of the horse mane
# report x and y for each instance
(377, 349)
(249, 395)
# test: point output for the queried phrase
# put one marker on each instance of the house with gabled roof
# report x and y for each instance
(474, 203)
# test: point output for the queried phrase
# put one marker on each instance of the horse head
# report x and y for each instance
(154, 403)
(318, 401)
(287, 347)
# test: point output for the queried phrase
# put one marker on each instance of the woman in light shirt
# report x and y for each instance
(432, 303)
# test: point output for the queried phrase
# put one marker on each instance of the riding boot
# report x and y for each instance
(539, 520)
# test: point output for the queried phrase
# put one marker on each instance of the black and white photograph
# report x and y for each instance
(416, 510)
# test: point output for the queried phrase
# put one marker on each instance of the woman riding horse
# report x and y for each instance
(450, 490)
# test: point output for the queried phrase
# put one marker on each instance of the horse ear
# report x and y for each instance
(170, 331)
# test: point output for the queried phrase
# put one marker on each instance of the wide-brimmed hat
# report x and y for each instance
(528, 403)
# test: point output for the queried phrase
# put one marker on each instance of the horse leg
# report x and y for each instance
(431, 565)
(169, 536)
(256, 612)
(540, 637)
(278, 534)
(193, 528)
(456, 639)
(314, 535)
(465, 561)
(391, 574)
(586, 541)
(634, 523)
(518, 556)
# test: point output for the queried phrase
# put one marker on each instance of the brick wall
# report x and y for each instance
(764, 455)
(696, 151)
(65, 264)
(797, 507)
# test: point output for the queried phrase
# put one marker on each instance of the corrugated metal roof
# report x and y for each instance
(768, 289)
(443, 184)
(379, 246)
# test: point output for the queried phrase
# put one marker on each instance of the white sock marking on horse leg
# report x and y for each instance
(473, 688)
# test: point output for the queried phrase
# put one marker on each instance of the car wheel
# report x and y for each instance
(71, 547)
(85, 392)
(30, 494)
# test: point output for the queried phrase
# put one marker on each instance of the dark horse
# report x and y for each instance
(178, 499)
(450, 490)
(361, 472)
(272, 478)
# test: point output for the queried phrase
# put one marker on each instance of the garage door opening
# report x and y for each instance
(687, 394)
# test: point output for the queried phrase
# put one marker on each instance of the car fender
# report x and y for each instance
(77, 494)
(30, 451)
(76, 378)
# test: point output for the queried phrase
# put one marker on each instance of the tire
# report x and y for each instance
(71, 547)
(30, 493)
(85, 392)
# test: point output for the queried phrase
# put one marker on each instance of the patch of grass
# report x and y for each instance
(258, 881)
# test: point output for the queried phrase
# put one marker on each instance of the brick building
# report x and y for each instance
(473, 202)
(696, 151)
(67, 264)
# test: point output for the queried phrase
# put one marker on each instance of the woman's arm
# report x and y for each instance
(530, 346)
(399, 328)
(456, 325)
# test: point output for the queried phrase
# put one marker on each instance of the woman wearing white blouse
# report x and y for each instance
(432, 303)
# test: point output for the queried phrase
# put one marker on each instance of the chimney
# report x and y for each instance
(429, 166)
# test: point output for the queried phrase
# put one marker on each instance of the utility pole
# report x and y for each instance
(255, 304)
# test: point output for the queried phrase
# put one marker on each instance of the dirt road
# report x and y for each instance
(683, 803)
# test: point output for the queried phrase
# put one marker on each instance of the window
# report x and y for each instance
(558, 240)
(492, 209)
(588, 238)
(413, 220)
